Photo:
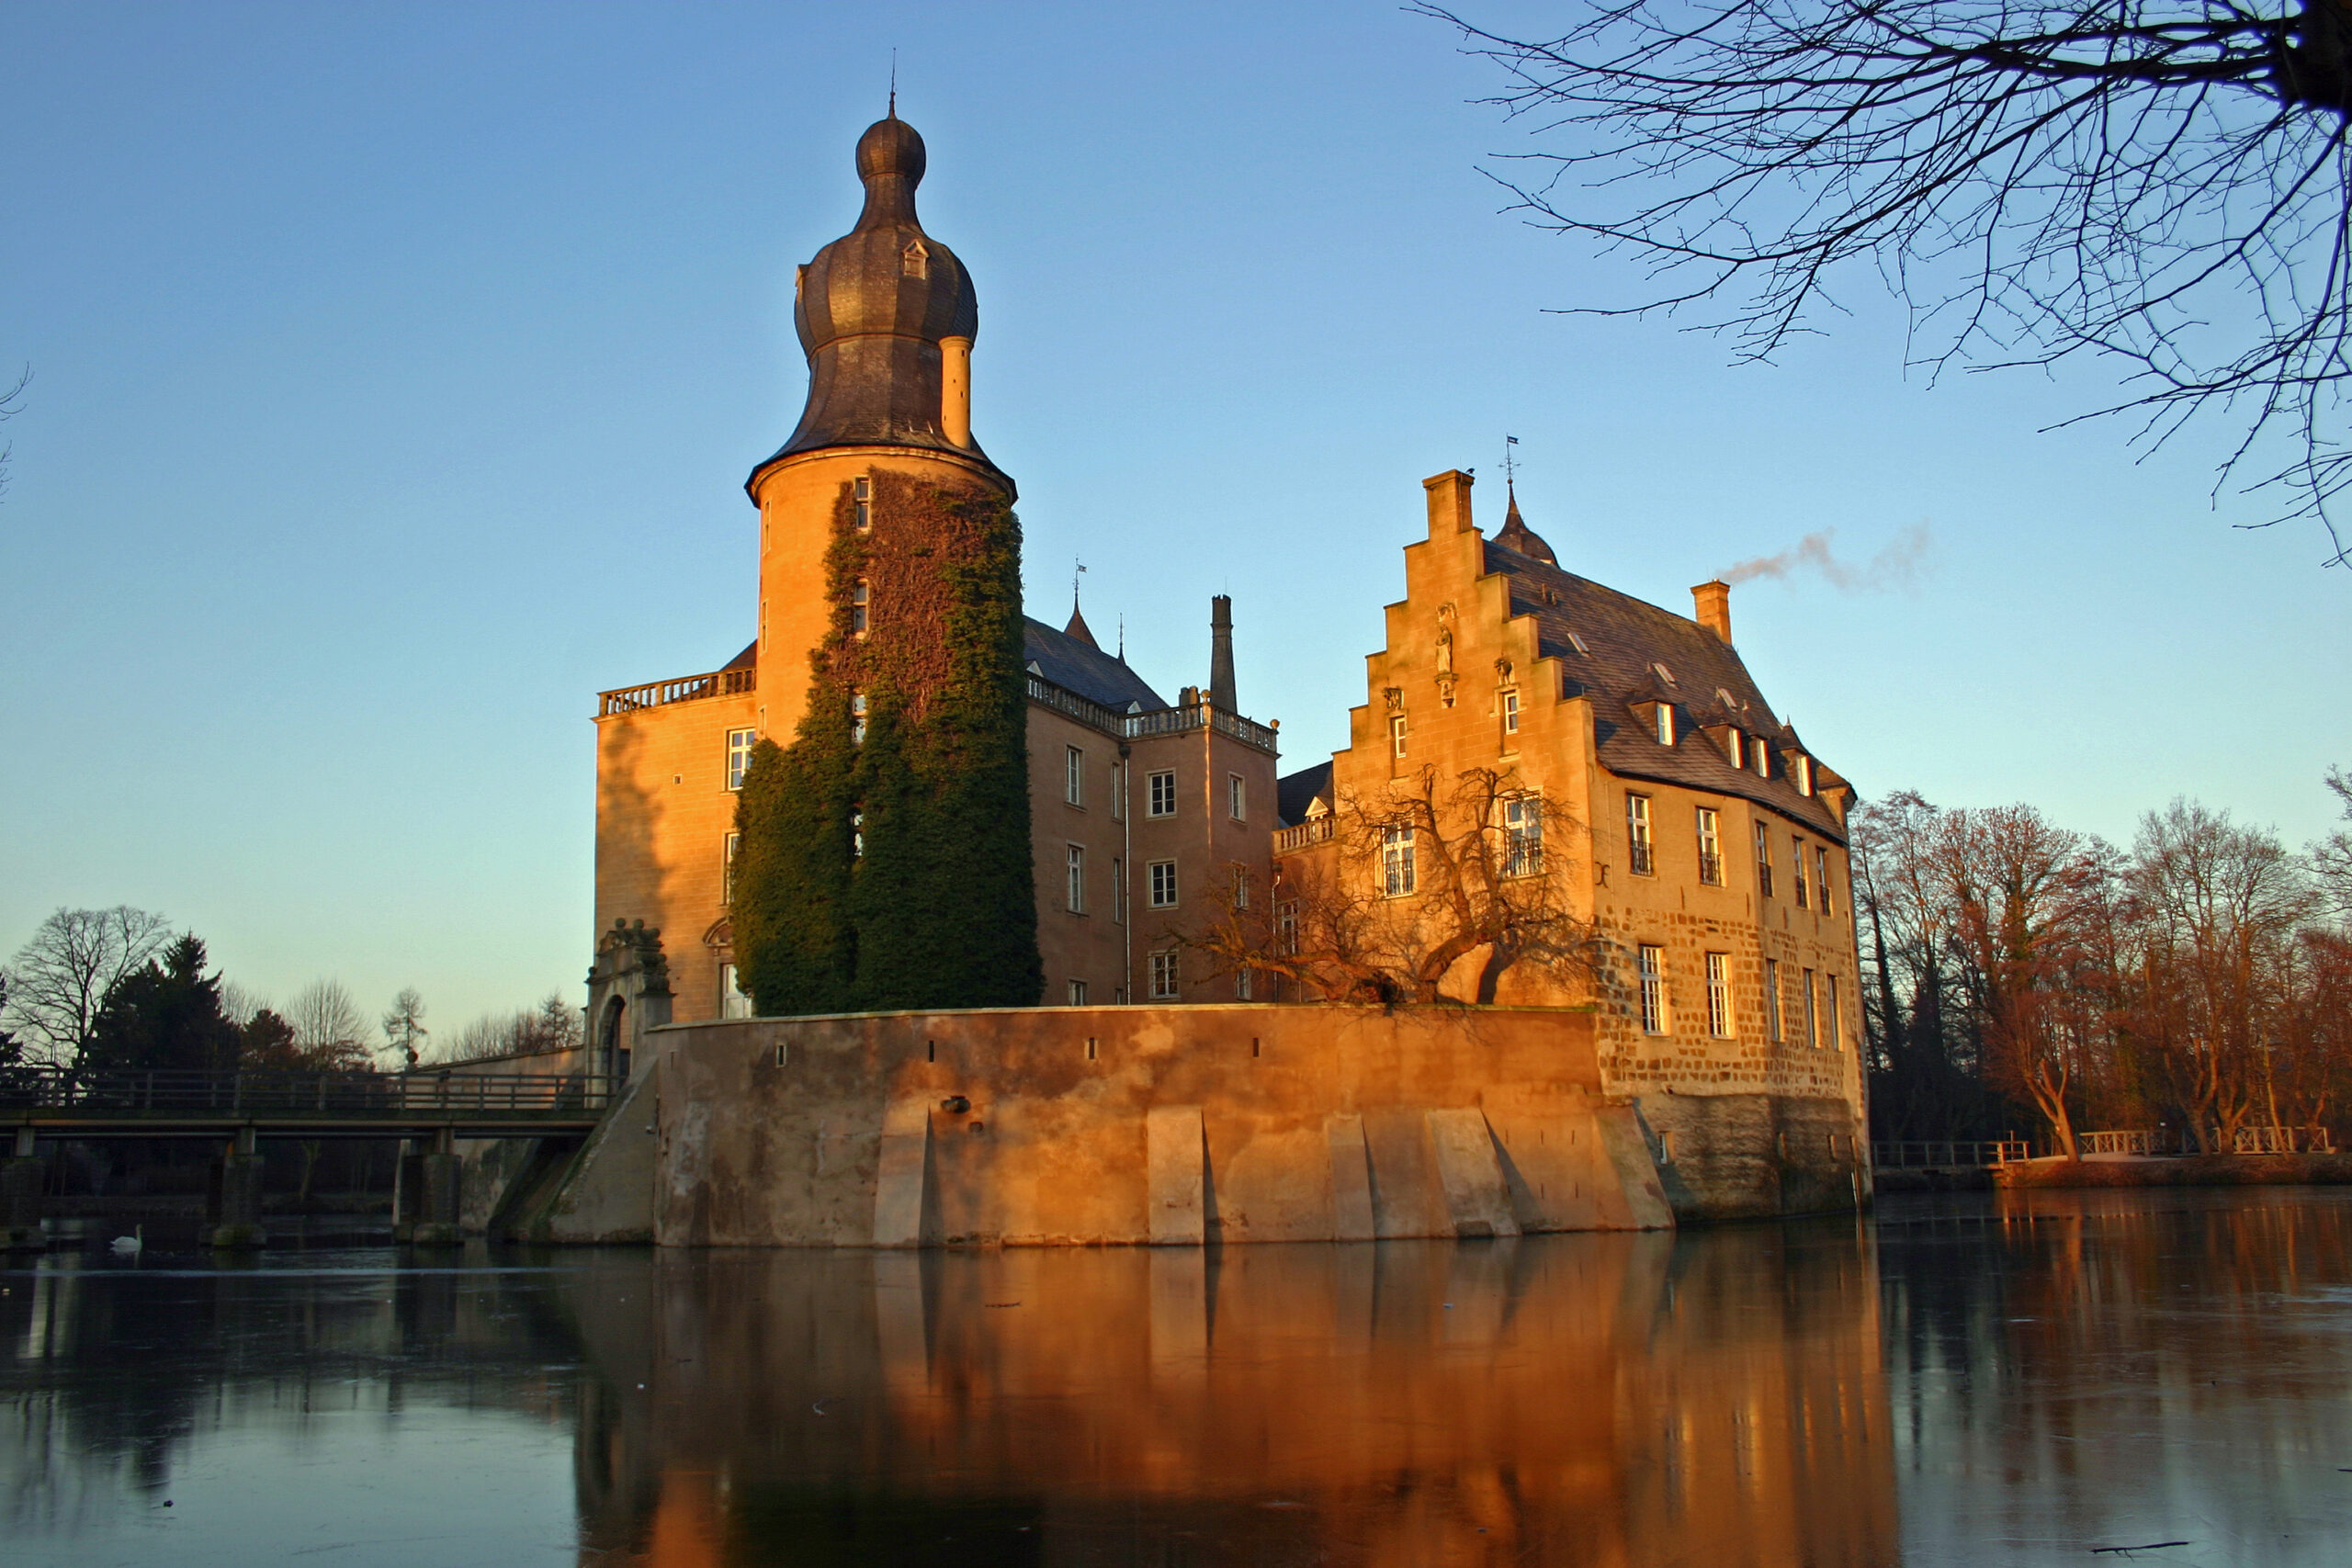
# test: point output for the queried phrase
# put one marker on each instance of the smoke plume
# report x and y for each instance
(1896, 566)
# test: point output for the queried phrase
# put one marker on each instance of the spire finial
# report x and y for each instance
(1073, 582)
(894, 86)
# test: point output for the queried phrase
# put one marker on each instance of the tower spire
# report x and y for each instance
(894, 86)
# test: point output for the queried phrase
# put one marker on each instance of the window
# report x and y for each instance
(1663, 673)
(1163, 973)
(1653, 972)
(1523, 835)
(1821, 877)
(1510, 712)
(1118, 891)
(726, 868)
(1710, 846)
(1238, 874)
(733, 1000)
(1772, 1000)
(1762, 755)
(739, 755)
(1735, 747)
(1796, 869)
(1836, 1037)
(915, 261)
(1578, 643)
(1118, 791)
(1763, 859)
(1286, 927)
(1074, 775)
(860, 596)
(1078, 995)
(1236, 797)
(1637, 834)
(1812, 1019)
(857, 718)
(1719, 995)
(1397, 736)
(1662, 716)
(1163, 795)
(857, 835)
(1804, 773)
(1397, 873)
(1241, 986)
(862, 492)
(1077, 879)
(1666, 1149)
(1163, 884)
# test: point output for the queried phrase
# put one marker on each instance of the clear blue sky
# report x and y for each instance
(398, 368)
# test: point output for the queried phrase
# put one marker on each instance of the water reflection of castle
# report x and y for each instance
(1622, 1399)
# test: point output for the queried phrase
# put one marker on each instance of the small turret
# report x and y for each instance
(1221, 653)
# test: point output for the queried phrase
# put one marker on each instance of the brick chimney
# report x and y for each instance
(1448, 503)
(1221, 653)
(1711, 607)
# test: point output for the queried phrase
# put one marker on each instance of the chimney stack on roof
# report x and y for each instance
(1448, 503)
(1221, 652)
(1711, 607)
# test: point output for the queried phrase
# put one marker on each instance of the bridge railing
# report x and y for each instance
(1948, 1153)
(360, 1095)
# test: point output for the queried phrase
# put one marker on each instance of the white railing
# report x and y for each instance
(2281, 1141)
(1947, 1154)
(2123, 1141)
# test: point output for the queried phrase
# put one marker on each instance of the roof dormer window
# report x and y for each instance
(1762, 755)
(1662, 719)
(1804, 773)
(1734, 746)
(915, 261)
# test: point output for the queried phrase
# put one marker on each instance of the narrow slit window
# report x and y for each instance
(1812, 1019)
(1772, 1000)
(1836, 1038)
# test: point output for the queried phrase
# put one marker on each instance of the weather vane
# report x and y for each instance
(1510, 464)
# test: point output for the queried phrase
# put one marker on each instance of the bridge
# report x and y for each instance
(432, 1107)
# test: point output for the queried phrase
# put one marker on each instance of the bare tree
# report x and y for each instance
(59, 980)
(330, 1031)
(2331, 856)
(553, 1025)
(1417, 881)
(2168, 186)
(404, 1031)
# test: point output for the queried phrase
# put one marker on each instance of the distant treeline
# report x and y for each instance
(96, 989)
(2019, 974)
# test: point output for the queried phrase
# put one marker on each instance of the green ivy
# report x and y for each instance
(939, 910)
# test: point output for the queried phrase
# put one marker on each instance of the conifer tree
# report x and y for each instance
(166, 1015)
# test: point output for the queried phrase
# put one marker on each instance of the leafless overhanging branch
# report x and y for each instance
(2169, 187)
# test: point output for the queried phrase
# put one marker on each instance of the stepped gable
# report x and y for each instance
(1079, 666)
(1627, 637)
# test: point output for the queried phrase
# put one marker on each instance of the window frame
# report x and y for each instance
(1236, 797)
(1836, 1015)
(1707, 827)
(862, 499)
(857, 718)
(1075, 992)
(1821, 879)
(731, 995)
(1649, 967)
(1074, 879)
(1640, 850)
(729, 848)
(1157, 883)
(1799, 891)
(1763, 859)
(1811, 1015)
(1152, 782)
(1774, 1030)
(1662, 723)
(1399, 868)
(860, 598)
(1510, 711)
(739, 743)
(1523, 838)
(1719, 1023)
(1397, 732)
(1074, 776)
(1166, 979)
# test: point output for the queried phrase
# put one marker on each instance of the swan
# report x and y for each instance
(130, 1246)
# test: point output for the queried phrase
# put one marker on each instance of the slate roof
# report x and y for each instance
(1624, 641)
(1085, 669)
(1295, 792)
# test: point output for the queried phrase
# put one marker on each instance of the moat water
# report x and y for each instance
(1978, 1381)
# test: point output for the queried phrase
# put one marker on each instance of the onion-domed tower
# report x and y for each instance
(884, 854)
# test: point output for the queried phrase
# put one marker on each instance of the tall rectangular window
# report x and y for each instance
(1812, 1019)
(1118, 791)
(1719, 995)
(861, 598)
(1663, 714)
(1077, 879)
(1397, 736)
(1804, 773)
(1286, 927)
(726, 868)
(1236, 797)
(739, 755)
(1637, 834)
(1762, 755)
(1241, 986)
(733, 1000)
(1510, 712)
(1796, 869)
(1238, 874)
(1163, 884)
(1118, 891)
(857, 718)
(1772, 1000)
(1837, 1038)
(1074, 775)
(1710, 846)
(1163, 794)
(1736, 748)
(1077, 993)
(1763, 859)
(1821, 877)
(861, 493)
(1523, 835)
(1397, 874)
(1653, 972)
(1163, 975)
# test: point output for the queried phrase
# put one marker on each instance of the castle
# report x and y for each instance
(1623, 760)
